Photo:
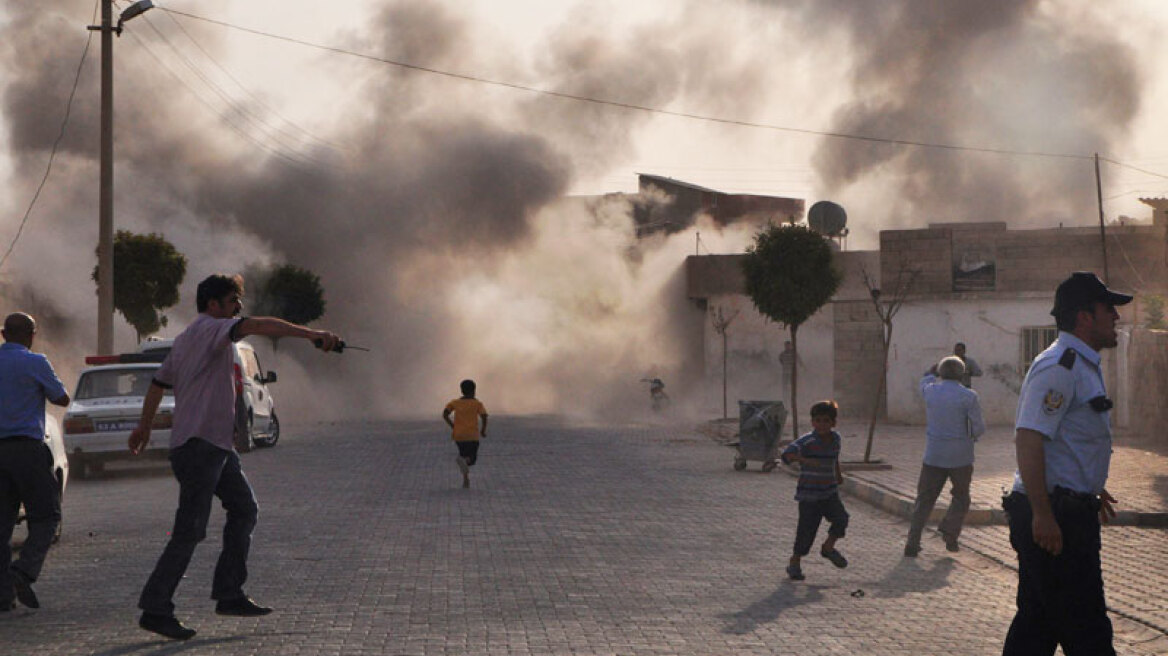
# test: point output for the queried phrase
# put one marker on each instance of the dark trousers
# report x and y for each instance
(26, 476)
(929, 486)
(468, 450)
(1060, 598)
(811, 513)
(204, 471)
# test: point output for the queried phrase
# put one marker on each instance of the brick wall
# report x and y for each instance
(1148, 371)
(858, 344)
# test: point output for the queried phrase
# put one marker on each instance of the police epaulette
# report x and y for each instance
(1068, 359)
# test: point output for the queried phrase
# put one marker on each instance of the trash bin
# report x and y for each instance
(760, 423)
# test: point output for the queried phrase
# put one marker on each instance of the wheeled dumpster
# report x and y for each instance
(760, 423)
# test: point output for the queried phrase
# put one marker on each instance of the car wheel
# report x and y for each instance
(273, 433)
(243, 434)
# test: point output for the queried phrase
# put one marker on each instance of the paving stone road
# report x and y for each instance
(573, 540)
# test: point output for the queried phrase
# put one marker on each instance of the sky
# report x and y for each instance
(436, 199)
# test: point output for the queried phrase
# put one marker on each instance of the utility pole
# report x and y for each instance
(105, 222)
(105, 216)
(1102, 229)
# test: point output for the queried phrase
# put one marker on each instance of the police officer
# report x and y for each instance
(1063, 443)
(26, 463)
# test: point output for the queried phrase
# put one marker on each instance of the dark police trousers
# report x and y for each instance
(26, 476)
(1060, 598)
(204, 471)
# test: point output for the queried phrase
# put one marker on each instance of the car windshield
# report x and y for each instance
(104, 383)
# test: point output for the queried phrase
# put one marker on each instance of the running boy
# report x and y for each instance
(818, 489)
(467, 411)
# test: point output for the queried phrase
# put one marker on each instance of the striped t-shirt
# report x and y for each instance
(817, 474)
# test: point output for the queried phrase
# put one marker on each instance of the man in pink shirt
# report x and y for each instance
(202, 453)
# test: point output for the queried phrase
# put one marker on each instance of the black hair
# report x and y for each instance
(1065, 319)
(828, 407)
(468, 387)
(216, 286)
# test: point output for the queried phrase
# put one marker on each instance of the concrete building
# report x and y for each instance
(668, 205)
(981, 283)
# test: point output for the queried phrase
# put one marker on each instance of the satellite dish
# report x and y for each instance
(827, 218)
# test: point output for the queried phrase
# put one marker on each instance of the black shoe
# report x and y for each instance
(6, 606)
(911, 551)
(241, 607)
(165, 625)
(950, 542)
(24, 591)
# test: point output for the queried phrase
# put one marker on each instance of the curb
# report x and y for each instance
(897, 504)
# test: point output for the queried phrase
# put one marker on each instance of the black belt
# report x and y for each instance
(1091, 500)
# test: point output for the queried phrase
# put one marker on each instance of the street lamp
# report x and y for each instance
(105, 228)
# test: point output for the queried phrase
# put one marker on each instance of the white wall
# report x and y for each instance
(754, 344)
(925, 331)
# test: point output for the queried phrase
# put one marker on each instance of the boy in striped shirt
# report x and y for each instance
(817, 492)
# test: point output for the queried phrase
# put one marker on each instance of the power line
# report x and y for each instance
(1134, 168)
(223, 95)
(250, 94)
(624, 105)
(56, 144)
(243, 133)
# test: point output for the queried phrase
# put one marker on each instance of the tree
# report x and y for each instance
(288, 292)
(147, 273)
(906, 277)
(721, 323)
(789, 276)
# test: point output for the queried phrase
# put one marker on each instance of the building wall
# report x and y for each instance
(1148, 371)
(859, 343)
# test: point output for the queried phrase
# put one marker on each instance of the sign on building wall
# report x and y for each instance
(974, 267)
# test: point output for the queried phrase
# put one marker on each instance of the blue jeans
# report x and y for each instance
(26, 475)
(204, 471)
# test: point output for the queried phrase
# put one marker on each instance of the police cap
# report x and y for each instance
(1083, 289)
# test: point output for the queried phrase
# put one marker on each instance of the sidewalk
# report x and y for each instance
(1133, 545)
(1138, 476)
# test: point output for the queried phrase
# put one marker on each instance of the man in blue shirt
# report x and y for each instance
(954, 422)
(1063, 442)
(26, 463)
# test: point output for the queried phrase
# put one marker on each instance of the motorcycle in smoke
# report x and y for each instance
(658, 399)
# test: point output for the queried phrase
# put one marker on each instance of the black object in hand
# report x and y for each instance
(339, 347)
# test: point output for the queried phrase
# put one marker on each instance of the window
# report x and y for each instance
(106, 383)
(1035, 341)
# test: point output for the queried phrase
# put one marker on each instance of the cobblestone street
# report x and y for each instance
(572, 540)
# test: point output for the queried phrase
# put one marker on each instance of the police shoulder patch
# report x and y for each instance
(1068, 359)
(1053, 401)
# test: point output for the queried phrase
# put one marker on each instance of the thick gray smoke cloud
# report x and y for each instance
(1004, 74)
(442, 234)
(441, 231)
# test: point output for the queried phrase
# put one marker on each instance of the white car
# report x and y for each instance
(255, 409)
(60, 464)
(106, 407)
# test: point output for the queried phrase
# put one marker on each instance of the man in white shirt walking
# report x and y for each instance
(954, 423)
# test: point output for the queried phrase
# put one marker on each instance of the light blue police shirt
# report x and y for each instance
(1055, 401)
(26, 380)
(954, 421)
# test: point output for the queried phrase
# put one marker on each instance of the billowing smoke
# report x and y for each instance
(441, 231)
(1003, 74)
(440, 225)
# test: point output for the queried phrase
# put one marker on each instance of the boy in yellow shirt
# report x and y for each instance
(466, 431)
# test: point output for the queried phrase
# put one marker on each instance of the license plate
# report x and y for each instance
(112, 426)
